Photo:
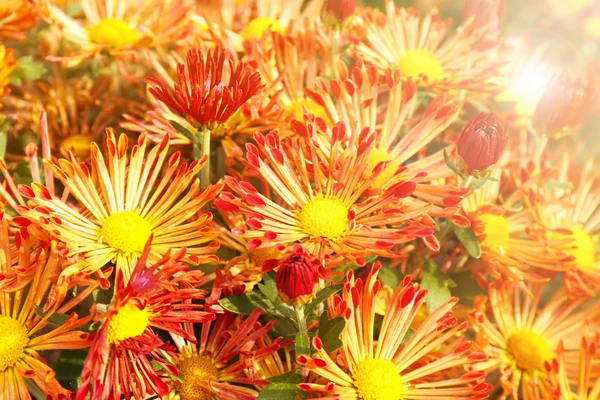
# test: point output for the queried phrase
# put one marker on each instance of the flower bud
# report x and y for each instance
(339, 9)
(481, 143)
(566, 103)
(297, 276)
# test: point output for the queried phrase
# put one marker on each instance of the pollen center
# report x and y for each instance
(324, 217)
(295, 109)
(377, 380)
(196, 372)
(257, 27)
(79, 144)
(129, 322)
(582, 246)
(113, 31)
(126, 231)
(496, 229)
(420, 62)
(14, 339)
(529, 350)
(375, 157)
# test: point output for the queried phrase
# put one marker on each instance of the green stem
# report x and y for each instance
(202, 148)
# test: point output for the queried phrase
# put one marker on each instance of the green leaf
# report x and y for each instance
(390, 277)
(553, 183)
(451, 164)
(245, 303)
(438, 284)
(469, 240)
(467, 288)
(27, 69)
(191, 136)
(56, 319)
(70, 365)
(330, 330)
(323, 295)
(283, 387)
(302, 344)
(269, 287)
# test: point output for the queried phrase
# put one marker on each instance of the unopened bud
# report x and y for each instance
(481, 143)
(566, 103)
(298, 276)
(339, 9)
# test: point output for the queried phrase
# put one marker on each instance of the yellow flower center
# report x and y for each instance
(295, 109)
(375, 157)
(582, 247)
(257, 27)
(420, 62)
(128, 322)
(259, 256)
(496, 229)
(529, 350)
(113, 31)
(13, 342)
(126, 231)
(195, 371)
(591, 27)
(78, 144)
(377, 380)
(324, 217)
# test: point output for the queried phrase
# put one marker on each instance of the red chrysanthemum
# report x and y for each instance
(203, 93)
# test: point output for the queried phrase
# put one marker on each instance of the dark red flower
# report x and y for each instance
(481, 142)
(298, 275)
(340, 9)
(566, 103)
(203, 93)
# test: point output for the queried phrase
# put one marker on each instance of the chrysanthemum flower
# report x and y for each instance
(202, 92)
(509, 247)
(289, 63)
(124, 201)
(324, 202)
(585, 374)
(26, 284)
(519, 335)
(571, 216)
(369, 367)
(16, 16)
(565, 105)
(424, 50)
(78, 110)
(120, 27)
(247, 267)
(157, 297)
(221, 364)
(365, 85)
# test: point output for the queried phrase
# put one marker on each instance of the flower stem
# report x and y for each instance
(201, 148)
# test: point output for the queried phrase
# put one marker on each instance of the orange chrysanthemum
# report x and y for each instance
(157, 297)
(123, 201)
(383, 367)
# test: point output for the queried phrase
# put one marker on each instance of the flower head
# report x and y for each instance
(482, 142)
(221, 364)
(340, 9)
(297, 276)
(337, 216)
(7, 65)
(565, 104)
(424, 49)
(382, 367)
(157, 297)
(26, 284)
(123, 201)
(16, 17)
(203, 93)
(519, 334)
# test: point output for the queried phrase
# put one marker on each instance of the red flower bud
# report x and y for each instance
(566, 103)
(481, 142)
(340, 9)
(297, 276)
